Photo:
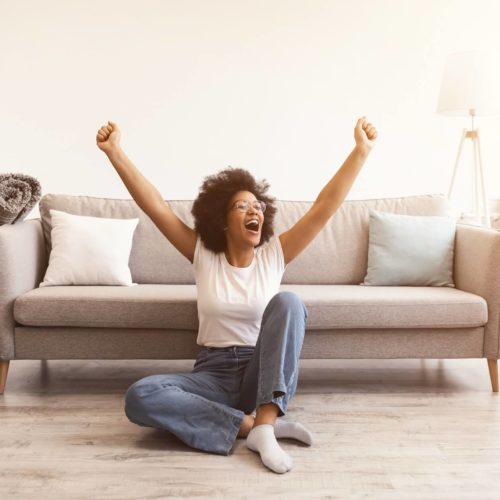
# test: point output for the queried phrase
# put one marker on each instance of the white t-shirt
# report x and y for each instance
(231, 300)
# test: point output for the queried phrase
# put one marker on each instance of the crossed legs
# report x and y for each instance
(193, 407)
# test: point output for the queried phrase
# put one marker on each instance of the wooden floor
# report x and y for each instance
(395, 429)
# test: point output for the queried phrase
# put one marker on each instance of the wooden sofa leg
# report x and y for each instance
(492, 367)
(4, 369)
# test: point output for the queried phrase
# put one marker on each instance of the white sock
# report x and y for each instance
(261, 438)
(295, 430)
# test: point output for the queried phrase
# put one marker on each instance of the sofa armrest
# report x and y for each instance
(477, 270)
(23, 262)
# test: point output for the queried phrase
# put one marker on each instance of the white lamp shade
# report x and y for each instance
(471, 80)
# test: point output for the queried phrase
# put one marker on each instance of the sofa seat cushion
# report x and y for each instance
(174, 307)
(140, 306)
(356, 306)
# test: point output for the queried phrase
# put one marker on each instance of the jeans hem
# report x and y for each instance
(280, 404)
(279, 401)
(233, 432)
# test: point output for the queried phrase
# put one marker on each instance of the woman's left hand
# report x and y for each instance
(365, 134)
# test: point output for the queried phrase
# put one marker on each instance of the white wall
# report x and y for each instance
(274, 86)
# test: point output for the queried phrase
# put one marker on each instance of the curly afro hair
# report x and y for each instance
(210, 207)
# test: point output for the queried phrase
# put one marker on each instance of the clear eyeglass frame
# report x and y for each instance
(243, 206)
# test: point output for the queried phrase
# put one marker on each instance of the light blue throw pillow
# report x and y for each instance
(410, 250)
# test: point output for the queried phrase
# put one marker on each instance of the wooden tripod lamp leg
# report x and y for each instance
(485, 211)
(455, 168)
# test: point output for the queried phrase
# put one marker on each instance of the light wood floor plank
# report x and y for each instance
(384, 429)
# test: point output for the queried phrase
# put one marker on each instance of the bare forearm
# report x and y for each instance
(334, 193)
(141, 190)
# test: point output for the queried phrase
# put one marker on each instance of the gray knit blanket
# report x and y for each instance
(19, 193)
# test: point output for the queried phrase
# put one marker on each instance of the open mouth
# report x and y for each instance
(252, 226)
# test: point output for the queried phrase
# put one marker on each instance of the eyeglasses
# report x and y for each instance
(243, 206)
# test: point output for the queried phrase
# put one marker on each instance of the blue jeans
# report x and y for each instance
(205, 408)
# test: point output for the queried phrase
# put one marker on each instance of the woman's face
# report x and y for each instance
(239, 228)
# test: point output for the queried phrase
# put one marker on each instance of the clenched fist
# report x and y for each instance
(365, 134)
(108, 137)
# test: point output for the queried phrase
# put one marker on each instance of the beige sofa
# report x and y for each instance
(157, 319)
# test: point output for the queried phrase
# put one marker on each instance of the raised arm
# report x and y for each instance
(331, 196)
(147, 197)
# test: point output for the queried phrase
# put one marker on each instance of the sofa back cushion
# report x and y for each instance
(338, 254)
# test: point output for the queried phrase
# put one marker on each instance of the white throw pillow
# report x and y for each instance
(410, 250)
(89, 250)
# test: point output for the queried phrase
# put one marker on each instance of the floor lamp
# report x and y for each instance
(470, 87)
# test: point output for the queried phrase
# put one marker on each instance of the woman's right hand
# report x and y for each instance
(108, 137)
